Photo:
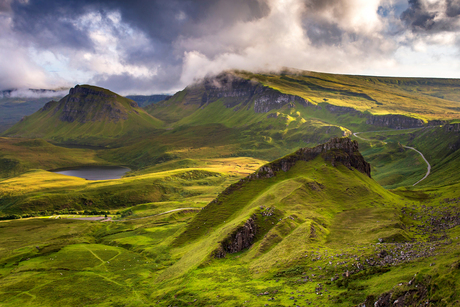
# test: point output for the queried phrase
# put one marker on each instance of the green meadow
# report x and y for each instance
(326, 234)
(319, 229)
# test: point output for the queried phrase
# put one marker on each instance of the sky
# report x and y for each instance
(161, 46)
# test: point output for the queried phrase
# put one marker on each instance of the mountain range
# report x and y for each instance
(246, 189)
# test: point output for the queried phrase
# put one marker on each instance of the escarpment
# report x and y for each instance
(452, 127)
(240, 93)
(341, 150)
(336, 150)
(394, 121)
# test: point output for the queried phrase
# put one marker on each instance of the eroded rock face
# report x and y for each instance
(394, 121)
(242, 238)
(240, 92)
(341, 150)
(414, 297)
(452, 127)
(85, 104)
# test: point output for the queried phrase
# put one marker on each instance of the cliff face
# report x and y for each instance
(341, 150)
(84, 104)
(236, 91)
(394, 121)
(337, 150)
(452, 127)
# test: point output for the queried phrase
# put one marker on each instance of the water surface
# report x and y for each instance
(95, 172)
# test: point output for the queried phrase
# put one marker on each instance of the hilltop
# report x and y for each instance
(88, 114)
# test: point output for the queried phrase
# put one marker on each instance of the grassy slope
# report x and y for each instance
(46, 124)
(19, 155)
(311, 193)
(392, 165)
(38, 191)
(134, 263)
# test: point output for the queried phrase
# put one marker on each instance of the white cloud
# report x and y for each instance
(352, 36)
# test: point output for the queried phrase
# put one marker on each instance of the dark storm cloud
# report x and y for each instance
(50, 23)
(57, 24)
(53, 22)
(417, 17)
(323, 33)
(162, 45)
(422, 16)
(453, 8)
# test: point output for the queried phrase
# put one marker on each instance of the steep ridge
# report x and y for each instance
(233, 92)
(432, 100)
(297, 195)
(338, 103)
(85, 115)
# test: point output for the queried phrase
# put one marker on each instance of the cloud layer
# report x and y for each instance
(161, 46)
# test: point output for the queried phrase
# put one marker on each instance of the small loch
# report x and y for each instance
(95, 172)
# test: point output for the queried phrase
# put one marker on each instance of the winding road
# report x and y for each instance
(423, 157)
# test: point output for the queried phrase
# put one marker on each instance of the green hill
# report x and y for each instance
(88, 115)
(311, 228)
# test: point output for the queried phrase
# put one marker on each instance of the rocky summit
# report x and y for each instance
(85, 103)
(85, 115)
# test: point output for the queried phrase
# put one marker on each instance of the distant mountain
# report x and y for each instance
(87, 115)
(32, 93)
(358, 102)
(143, 100)
(17, 103)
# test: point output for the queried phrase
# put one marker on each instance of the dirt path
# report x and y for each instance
(109, 219)
(166, 212)
(92, 218)
(412, 148)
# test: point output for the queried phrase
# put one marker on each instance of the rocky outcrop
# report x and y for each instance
(394, 121)
(452, 127)
(84, 90)
(271, 100)
(235, 91)
(336, 150)
(241, 238)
